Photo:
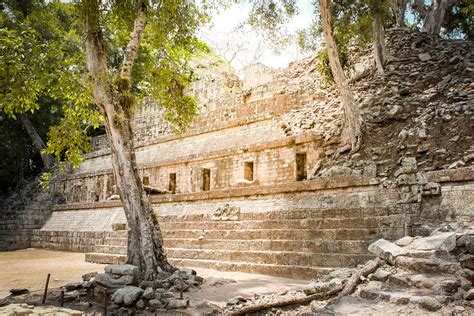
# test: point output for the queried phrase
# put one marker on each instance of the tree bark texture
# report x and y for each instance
(351, 135)
(380, 51)
(399, 8)
(48, 160)
(145, 242)
(435, 16)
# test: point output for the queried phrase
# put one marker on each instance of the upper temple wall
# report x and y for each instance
(224, 101)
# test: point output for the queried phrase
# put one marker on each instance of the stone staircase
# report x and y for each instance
(296, 244)
(113, 249)
(22, 213)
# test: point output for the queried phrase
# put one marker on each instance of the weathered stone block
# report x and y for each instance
(386, 250)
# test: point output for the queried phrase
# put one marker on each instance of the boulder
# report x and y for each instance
(156, 304)
(149, 293)
(470, 244)
(109, 281)
(140, 304)
(177, 303)
(122, 269)
(127, 295)
(386, 250)
(467, 261)
(430, 303)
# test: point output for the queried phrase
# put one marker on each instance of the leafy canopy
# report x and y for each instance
(41, 44)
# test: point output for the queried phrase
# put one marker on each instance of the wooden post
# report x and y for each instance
(62, 298)
(105, 305)
(46, 289)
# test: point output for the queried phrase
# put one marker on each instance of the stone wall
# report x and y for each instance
(294, 229)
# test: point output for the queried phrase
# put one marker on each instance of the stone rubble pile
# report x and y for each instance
(422, 106)
(120, 287)
(416, 275)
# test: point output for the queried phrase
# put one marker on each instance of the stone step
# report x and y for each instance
(271, 257)
(295, 214)
(397, 297)
(118, 234)
(316, 245)
(424, 265)
(64, 246)
(289, 234)
(447, 283)
(329, 223)
(105, 258)
(116, 241)
(115, 250)
(288, 271)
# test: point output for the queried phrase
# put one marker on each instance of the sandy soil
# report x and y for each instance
(28, 268)
(245, 285)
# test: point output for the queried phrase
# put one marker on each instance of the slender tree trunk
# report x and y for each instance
(351, 135)
(435, 16)
(145, 242)
(48, 160)
(380, 51)
(399, 8)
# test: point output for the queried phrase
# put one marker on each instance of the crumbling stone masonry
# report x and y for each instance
(238, 195)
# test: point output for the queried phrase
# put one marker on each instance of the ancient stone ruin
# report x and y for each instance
(253, 184)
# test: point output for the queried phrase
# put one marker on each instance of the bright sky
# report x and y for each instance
(245, 47)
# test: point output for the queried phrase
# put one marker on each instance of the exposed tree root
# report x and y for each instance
(355, 279)
(287, 302)
(342, 290)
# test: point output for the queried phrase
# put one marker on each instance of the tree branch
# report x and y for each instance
(133, 45)
(95, 52)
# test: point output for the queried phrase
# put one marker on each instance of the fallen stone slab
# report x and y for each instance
(440, 241)
(122, 269)
(386, 250)
(427, 265)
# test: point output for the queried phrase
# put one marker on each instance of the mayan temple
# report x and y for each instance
(239, 191)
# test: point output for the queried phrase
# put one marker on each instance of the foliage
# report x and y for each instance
(161, 70)
(352, 24)
(42, 59)
(459, 20)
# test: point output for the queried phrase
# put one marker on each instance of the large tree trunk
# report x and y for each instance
(380, 52)
(435, 16)
(351, 132)
(48, 160)
(145, 242)
(399, 8)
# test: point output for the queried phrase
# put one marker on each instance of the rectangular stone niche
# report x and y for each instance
(146, 181)
(248, 170)
(301, 167)
(172, 183)
(206, 179)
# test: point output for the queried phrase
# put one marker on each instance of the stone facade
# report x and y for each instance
(241, 201)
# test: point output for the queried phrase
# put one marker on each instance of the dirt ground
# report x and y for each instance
(28, 268)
